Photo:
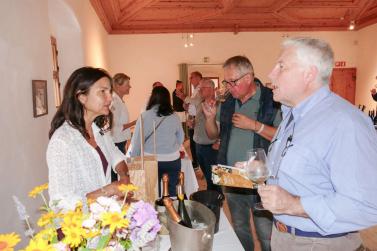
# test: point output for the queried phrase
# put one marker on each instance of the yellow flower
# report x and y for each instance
(46, 234)
(127, 188)
(72, 220)
(38, 245)
(89, 234)
(8, 241)
(37, 190)
(73, 236)
(46, 218)
(114, 220)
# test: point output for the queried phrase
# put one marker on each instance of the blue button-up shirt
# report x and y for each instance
(327, 156)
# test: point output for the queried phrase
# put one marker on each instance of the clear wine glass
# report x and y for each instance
(257, 170)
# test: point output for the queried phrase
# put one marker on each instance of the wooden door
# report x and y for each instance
(343, 83)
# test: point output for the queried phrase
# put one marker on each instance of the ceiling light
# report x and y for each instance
(191, 44)
(352, 25)
(191, 35)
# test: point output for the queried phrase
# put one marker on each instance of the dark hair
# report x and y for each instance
(160, 96)
(178, 82)
(71, 109)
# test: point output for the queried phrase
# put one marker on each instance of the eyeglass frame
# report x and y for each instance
(233, 83)
(288, 143)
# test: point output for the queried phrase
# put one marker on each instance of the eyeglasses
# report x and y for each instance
(233, 83)
(288, 143)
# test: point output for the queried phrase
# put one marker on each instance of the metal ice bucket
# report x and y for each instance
(187, 239)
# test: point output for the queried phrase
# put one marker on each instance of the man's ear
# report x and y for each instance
(311, 74)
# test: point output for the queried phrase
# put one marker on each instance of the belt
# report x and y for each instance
(281, 227)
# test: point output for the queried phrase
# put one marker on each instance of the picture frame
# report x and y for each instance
(39, 91)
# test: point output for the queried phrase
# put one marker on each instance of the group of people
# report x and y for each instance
(321, 149)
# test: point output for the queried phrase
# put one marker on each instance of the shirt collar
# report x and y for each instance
(302, 108)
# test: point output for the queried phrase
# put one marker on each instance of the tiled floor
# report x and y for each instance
(369, 236)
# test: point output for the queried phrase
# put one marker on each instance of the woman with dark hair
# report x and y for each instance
(169, 135)
(80, 153)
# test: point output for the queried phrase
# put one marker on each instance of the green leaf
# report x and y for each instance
(84, 249)
(126, 244)
(103, 241)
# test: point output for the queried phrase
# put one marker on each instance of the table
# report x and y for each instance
(224, 240)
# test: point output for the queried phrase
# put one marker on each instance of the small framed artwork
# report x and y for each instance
(40, 107)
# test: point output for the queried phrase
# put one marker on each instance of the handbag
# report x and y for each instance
(144, 170)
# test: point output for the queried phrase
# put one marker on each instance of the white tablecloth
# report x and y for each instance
(224, 240)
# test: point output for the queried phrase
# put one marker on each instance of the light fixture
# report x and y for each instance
(188, 40)
(352, 25)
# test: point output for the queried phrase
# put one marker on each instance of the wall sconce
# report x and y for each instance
(189, 40)
(352, 25)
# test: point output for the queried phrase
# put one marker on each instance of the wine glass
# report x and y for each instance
(257, 170)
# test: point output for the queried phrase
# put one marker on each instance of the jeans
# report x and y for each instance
(121, 146)
(172, 168)
(207, 157)
(240, 206)
(192, 148)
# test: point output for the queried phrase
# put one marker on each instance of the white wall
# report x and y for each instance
(148, 58)
(366, 66)
(25, 55)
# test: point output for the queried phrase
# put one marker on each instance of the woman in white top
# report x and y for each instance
(169, 135)
(80, 153)
(121, 126)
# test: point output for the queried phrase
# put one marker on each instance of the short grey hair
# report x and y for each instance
(120, 79)
(313, 51)
(241, 63)
(208, 81)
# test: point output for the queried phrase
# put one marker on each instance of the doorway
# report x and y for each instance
(343, 83)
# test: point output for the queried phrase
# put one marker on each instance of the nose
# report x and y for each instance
(272, 74)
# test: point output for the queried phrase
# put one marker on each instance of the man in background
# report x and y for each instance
(190, 104)
(121, 124)
(254, 101)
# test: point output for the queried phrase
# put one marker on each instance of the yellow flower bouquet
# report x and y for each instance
(103, 224)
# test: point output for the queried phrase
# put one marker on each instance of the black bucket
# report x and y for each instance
(211, 199)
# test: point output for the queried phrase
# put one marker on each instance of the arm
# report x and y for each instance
(128, 125)
(209, 110)
(244, 122)
(134, 149)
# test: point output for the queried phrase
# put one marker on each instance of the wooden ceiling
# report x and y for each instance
(184, 16)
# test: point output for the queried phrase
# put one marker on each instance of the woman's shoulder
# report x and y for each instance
(65, 132)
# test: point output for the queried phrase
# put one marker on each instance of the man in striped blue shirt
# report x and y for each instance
(322, 158)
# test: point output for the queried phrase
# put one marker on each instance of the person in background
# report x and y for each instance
(178, 102)
(254, 101)
(206, 154)
(190, 103)
(80, 152)
(322, 157)
(169, 136)
(121, 124)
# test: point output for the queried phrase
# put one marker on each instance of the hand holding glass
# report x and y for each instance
(257, 170)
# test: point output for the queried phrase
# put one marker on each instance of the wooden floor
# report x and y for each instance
(369, 236)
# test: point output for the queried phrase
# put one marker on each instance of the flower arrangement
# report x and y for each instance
(103, 224)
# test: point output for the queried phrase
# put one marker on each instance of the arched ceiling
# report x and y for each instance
(184, 16)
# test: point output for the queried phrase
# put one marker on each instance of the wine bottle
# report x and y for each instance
(181, 181)
(182, 211)
(173, 213)
(165, 192)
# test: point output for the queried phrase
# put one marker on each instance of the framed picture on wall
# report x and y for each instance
(39, 88)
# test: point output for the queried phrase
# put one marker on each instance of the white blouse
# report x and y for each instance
(75, 167)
